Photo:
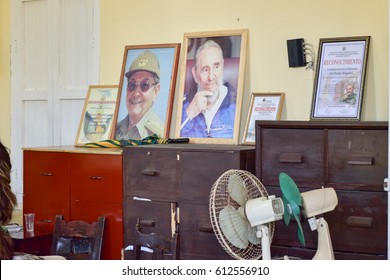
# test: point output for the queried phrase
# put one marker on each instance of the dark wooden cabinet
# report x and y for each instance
(351, 157)
(167, 187)
(79, 183)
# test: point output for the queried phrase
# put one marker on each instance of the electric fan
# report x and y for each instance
(242, 215)
(312, 203)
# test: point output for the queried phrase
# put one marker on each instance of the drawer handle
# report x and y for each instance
(360, 160)
(45, 221)
(147, 223)
(45, 174)
(291, 157)
(149, 172)
(362, 222)
(95, 177)
(206, 229)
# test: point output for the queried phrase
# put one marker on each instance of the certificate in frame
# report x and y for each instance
(340, 78)
(263, 106)
(97, 119)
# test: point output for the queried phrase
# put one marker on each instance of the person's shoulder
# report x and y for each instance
(155, 124)
(230, 87)
(121, 127)
(124, 121)
(231, 96)
(188, 96)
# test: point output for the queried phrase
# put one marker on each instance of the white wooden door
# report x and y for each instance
(54, 58)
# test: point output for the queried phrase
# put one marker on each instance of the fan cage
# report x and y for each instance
(220, 198)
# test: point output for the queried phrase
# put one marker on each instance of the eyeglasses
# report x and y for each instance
(144, 85)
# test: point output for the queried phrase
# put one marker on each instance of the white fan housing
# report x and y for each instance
(242, 214)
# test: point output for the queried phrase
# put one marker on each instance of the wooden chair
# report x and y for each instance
(159, 247)
(78, 240)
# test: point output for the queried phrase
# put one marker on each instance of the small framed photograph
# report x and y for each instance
(340, 78)
(146, 91)
(263, 106)
(211, 86)
(97, 118)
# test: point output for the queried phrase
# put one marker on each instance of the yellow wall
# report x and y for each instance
(5, 83)
(270, 24)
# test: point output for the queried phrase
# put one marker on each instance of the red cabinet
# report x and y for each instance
(46, 177)
(79, 183)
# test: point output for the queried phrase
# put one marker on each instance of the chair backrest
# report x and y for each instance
(158, 246)
(78, 240)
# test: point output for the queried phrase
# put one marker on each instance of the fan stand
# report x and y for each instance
(324, 248)
(263, 234)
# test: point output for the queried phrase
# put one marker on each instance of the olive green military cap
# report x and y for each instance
(146, 61)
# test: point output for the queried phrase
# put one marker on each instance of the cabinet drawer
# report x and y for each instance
(357, 158)
(359, 223)
(197, 238)
(46, 174)
(199, 171)
(96, 177)
(155, 216)
(46, 209)
(151, 173)
(299, 152)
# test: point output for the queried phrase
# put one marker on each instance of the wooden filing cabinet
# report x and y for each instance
(79, 183)
(177, 178)
(352, 158)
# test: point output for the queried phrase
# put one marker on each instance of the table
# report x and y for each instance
(37, 242)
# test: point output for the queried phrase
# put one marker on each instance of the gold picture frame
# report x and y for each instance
(161, 62)
(263, 106)
(97, 118)
(340, 78)
(203, 116)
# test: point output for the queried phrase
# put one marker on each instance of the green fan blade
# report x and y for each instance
(292, 201)
(286, 214)
(301, 237)
(294, 207)
(291, 197)
(289, 189)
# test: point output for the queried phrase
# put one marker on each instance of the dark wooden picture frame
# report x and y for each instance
(340, 78)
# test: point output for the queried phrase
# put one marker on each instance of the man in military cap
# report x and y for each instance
(143, 86)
